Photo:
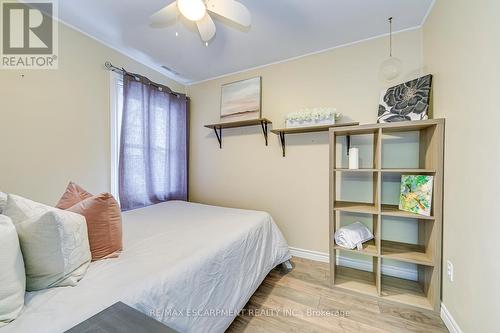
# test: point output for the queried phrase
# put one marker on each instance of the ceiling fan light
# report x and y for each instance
(193, 10)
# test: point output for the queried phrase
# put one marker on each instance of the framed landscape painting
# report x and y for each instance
(241, 100)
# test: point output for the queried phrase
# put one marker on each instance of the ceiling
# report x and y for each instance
(281, 29)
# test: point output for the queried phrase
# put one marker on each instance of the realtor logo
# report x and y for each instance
(29, 35)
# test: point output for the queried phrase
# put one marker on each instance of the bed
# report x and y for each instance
(191, 266)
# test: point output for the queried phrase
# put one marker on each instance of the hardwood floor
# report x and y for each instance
(301, 301)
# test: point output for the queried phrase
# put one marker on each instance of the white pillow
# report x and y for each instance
(3, 201)
(12, 278)
(20, 209)
(55, 248)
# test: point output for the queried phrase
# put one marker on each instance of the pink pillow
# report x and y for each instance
(73, 194)
(103, 217)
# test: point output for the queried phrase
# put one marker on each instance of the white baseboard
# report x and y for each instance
(400, 272)
(449, 321)
(308, 254)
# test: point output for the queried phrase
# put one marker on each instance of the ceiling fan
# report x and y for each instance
(198, 11)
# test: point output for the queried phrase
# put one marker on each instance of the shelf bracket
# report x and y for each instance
(264, 129)
(282, 140)
(348, 139)
(219, 136)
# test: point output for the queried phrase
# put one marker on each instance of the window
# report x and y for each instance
(116, 108)
(149, 135)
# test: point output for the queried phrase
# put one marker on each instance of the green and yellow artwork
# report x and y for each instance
(416, 194)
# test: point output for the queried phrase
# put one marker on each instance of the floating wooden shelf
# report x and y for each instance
(242, 123)
(426, 254)
(310, 129)
(355, 170)
(281, 132)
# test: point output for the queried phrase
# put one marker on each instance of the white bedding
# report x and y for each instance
(188, 265)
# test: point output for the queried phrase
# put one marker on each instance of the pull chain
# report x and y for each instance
(177, 25)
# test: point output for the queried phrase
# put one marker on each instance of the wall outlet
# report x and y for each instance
(449, 266)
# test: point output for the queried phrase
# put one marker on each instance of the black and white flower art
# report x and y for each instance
(405, 102)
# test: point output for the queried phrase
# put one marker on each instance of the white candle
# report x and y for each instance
(353, 158)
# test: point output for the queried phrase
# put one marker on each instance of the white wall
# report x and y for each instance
(462, 49)
(54, 124)
(54, 127)
(293, 189)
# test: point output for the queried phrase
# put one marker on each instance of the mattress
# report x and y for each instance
(191, 266)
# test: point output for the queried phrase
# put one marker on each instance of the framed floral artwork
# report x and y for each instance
(405, 102)
(416, 194)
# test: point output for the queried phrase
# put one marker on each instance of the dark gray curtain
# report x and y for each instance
(153, 164)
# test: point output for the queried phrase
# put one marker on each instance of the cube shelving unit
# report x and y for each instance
(425, 254)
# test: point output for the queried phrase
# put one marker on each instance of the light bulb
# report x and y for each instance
(193, 10)
(390, 68)
(176, 34)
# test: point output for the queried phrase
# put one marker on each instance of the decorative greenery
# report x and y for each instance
(314, 114)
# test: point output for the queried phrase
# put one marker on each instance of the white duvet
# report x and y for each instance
(188, 265)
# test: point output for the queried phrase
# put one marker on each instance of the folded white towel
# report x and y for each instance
(353, 235)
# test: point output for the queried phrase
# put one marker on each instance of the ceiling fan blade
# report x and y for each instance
(231, 10)
(206, 27)
(164, 16)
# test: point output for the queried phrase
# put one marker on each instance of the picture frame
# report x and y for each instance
(416, 194)
(241, 100)
(406, 102)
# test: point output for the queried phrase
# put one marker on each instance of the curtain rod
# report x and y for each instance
(122, 70)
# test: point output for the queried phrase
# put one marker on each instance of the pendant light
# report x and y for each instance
(390, 68)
